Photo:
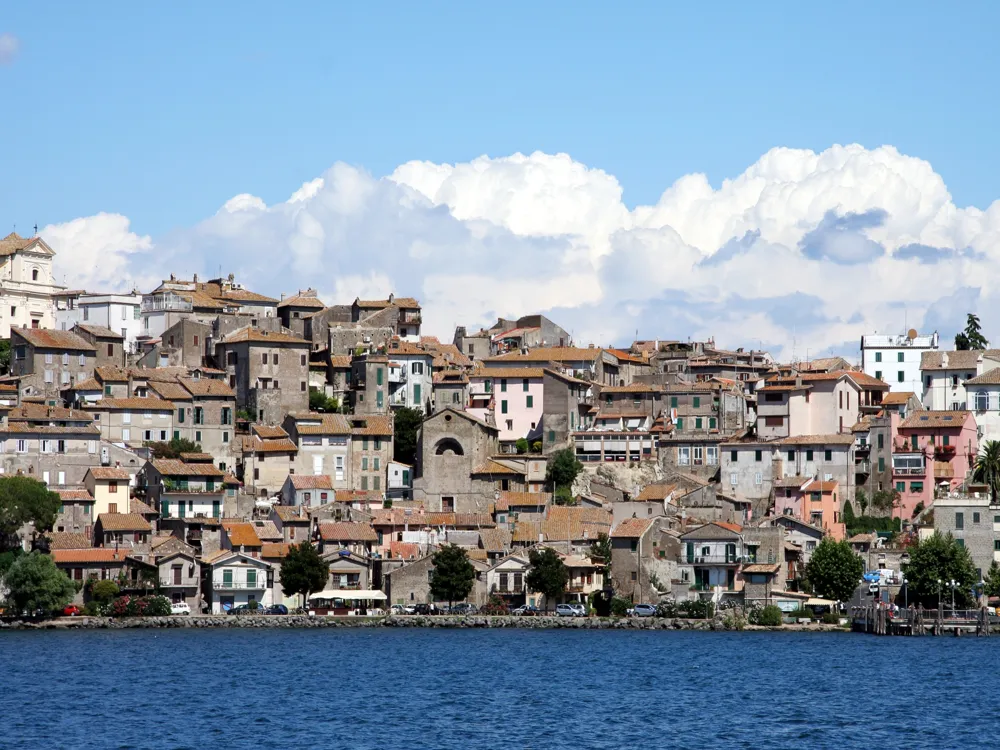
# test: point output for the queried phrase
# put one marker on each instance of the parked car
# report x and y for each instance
(644, 610)
(565, 610)
(581, 611)
(243, 609)
(425, 609)
(525, 610)
(464, 608)
(873, 588)
(276, 609)
(397, 609)
(180, 608)
(410, 609)
(70, 610)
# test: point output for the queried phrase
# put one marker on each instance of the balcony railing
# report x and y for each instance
(909, 471)
(169, 584)
(715, 559)
(863, 467)
(258, 585)
(398, 398)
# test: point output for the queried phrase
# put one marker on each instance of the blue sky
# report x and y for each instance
(148, 139)
(163, 113)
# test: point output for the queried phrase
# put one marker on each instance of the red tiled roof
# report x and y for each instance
(347, 532)
(92, 555)
(108, 472)
(123, 522)
(311, 481)
(241, 534)
(631, 528)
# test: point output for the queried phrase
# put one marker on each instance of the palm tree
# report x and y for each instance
(987, 470)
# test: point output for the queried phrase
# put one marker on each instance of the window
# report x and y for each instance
(673, 402)
(680, 424)
(809, 455)
(199, 415)
(878, 374)
(227, 415)
(376, 483)
(900, 376)
(302, 386)
(378, 444)
(530, 401)
(263, 358)
(954, 381)
(225, 437)
(197, 436)
(696, 401)
(828, 455)
(683, 455)
(379, 400)
(960, 542)
(65, 358)
(734, 456)
(917, 487)
(712, 455)
(733, 478)
(982, 400)
(364, 463)
(180, 415)
(758, 455)
(378, 376)
(699, 458)
(126, 434)
(364, 483)
(697, 423)
(878, 356)
(945, 439)
(975, 518)
(503, 407)
(711, 423)
(552, 436)
(996, 545)
(758, 478)
(112, 486)
(302, 360)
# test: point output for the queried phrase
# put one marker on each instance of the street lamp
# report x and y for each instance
(905, 595)
(953, 584)
(939, 596)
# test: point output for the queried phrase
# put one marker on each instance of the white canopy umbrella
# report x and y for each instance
(364, 594)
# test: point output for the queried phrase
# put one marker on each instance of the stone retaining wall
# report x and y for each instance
(397, 621)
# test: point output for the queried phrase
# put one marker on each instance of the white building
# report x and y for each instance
(119, 312)
(237, 579)
(399, 480)
(411, 379)
(895, 359)
(945, 375)
(26, 284)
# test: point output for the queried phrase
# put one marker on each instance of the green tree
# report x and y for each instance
(103, 592)
(548, 574)
(972, 337)
(600, 553)
(848, 513)
(834, 570)
(35, 583)
(4, 356)
(987, 469)
(861, 498)
(173, 448)
(563, 469)
(303, 571)
(992, 579)
(25, 500)
(940, 558)
(883, 501)
(521, 445)
(318, 401)
(453, 576)
(405, 425)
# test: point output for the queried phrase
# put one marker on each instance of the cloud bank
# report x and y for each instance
(802, 253)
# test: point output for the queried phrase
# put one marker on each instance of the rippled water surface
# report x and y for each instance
(494, 689)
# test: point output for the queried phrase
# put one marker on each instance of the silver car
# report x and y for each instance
(565, 610)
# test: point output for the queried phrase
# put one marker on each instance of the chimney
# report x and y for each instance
(944, 359)
(196, 278)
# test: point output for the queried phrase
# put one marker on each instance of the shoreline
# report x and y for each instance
(405, 621)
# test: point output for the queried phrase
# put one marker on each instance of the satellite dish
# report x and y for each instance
(911, 334)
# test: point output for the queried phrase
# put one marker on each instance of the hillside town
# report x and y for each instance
(196, 432)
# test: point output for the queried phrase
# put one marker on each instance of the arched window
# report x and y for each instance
(34, 274)
(448, 446)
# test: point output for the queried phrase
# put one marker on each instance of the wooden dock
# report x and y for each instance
(916, 621)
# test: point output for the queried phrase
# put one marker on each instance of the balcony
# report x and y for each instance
(258, 585)
(398, 398)
(863, 467)
(944, 452)
(909, 466)
(169, 584)
(715, 559)
(397, 374)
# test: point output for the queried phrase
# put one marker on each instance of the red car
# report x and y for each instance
(71, 610)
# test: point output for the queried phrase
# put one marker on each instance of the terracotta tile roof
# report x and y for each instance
(477, 554)
(313, 423)
(138, 506)
(551, 354)
(196, 457)
(570, 522)
(633, 388)
(405, 348)
(902, 397)
(489, 466)
(24, 428)
(990, 377)
(29, 411)
(495, 540)
(835, 439)
(355, 496)
(108, 472)
(207, 387)
(14, 242)
(866, 381)
(66, 540)
(123, 522)
(347, 532)
(135, 403)
(241, 534)
(304, 299)
(958, 360)
(290, 514)
(404, 550)
(340, 362)
(658, 491)
(450, 377)
(277, 550)
(43, 338)
(631, 528)
(491, 373)
(929, 418)
(101, 332)
(76, 494)
(379, 426)
(761, 568)
(525, 531)
(267, 531)
(111, 374)
(783, 388)
(281, 445)
(734, 527)
(90, 384)
(311, 481)
(268, 431)
(93, 555)
(257, 336)
(508, 500)
(815, 485)
(378, 304)
(170, 467)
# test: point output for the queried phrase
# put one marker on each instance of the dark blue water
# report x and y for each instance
(494, 689)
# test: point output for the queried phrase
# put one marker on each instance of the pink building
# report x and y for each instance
(512, 396)
(932, 448)
(824, 403)
(815, 502)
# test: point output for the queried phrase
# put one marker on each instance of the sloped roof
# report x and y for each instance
(275, 549)
(347, 532)
(92, 555)
(631, 528)
(328, 424)
(67, 540)
(207, 387)
(123, 522)
(268, 431)
(44, 338)
(311, 481)
(374, 425)
(241, 534)
(14, 242)
(101, 332)
(551, 354)
(108, 472)
(303, 299)
(508, 500)
(964, 359)
(172, 467)
(257, 336)
(901, 397)
(657, 491)
(489, 466)
(137, 403)
(290, 514)
(929, 418)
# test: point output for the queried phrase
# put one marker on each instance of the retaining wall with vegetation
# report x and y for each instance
(402, 621)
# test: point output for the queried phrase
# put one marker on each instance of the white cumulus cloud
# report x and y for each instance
(802, 251)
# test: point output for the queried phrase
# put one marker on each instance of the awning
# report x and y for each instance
(820, 602)
(349, 594)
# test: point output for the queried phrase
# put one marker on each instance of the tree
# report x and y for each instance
(563, 469)
(318, 401)
(834, 570)
(548, 574)
(940, 558)
(972, 337)
(4, 356)
(25, 500)
(103, 592)
(35, 583)
(601, 550)
(861, 498)
(992, 580)
(883, 501)
(453, 576)
(987, 469)
(848, 513)
(303, 571)
(521, 445)
(405, 424)
(174, 448)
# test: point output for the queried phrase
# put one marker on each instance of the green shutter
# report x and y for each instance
(552, 436)
(697, 423)
(673, 402)
(697, 401)
(416, 394)
(711, 423)
(406, 477)
(364, 443)
(364, 483)
(503, 407)
(227, 577)
(503, 385)
(531, 402)
(680, 424)
(364, 463)
(378, 399)
(180, 415)
(376, 463)
(251, 578)
(378, 376)
(164, 509)
(216, 509)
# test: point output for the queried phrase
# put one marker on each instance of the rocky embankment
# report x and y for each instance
(397, 621)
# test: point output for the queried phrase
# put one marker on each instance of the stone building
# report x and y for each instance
(370, 384)
(410, 584)
(643, 558)
(293, 311)
(185, 344)
(269, 371)
(475, 346)
(133, 421)
(370, 452)
(47, 362)
(109, 346)
(204, 413)
(975, 522)
(451, 388)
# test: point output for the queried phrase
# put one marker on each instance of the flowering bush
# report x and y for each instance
(495, 606)
(141, 606)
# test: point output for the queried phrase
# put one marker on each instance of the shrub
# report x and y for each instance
(666, 609)
(92, 608)
(536, 447)
(521, 445)
(495, 606)
(734, 620)
(769, 616)
(103, 591)
(143, 606)
(620, 606)
(831, 618)
(697, 609)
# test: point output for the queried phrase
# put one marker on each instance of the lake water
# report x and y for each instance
(448, 689)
